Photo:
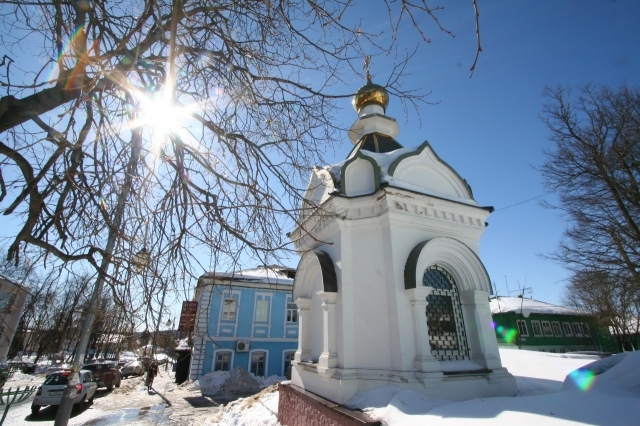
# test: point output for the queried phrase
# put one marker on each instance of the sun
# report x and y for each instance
(158, 113)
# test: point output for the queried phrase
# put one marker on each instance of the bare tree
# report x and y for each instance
(595, 169)
(193, 122)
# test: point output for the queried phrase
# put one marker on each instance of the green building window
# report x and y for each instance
(522, 328)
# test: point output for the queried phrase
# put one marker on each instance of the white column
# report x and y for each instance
(304, 336)
(481, 336)
(423, 360)
(329, 358)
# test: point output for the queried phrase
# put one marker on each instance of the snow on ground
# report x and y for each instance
(554, 389)
(235, 382)
(260, 409)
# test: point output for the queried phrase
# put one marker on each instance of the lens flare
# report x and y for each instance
(583, 378)
(509, 335)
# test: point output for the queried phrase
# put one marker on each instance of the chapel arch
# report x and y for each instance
(315, 291)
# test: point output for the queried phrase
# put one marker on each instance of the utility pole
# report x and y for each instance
(521, 296)
(66, 404)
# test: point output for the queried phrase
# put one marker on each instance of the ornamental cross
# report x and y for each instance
(367, 63)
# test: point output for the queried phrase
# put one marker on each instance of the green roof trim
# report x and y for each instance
(329, 277)
(418, 151)
(360, 155)
(411, 265)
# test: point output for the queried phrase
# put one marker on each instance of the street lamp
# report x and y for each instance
(141, 260)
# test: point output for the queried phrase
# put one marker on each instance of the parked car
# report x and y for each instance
(50, 393)
(133, 368)
(58, 368)
(106, 374)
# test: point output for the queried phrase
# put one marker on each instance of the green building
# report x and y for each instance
(539, 326)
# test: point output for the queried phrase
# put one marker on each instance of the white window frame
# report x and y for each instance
(225, 311)
(266, 361)
(523, 323)
(215, 354)
(287, 309)
(575, 326)
(284, 353)
(550, 334)
(266, 311)
(226, 295)
(565, 326)
(555, 332)
(533, 328)
(585, 330)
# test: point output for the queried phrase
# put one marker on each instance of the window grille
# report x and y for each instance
(447, 336)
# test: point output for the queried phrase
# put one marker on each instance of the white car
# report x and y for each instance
(50, 393)
(134, 368)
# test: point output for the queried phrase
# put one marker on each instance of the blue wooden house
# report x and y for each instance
(245, 319)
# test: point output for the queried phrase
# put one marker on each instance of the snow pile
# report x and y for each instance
(19, 376)
(554, 389)
(260, 409)
(618, 375)
(129, 385)
(235, 382)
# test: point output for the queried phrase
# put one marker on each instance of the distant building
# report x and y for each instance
(245, 319)
(540, 326)
(12, 299)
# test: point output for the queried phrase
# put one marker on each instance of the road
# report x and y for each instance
(131, 404)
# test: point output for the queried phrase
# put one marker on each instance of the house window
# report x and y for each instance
(577, 330)
(288, 357)
(546, 327)
(567, 329)
(7, 300)
(557, 330)
(229, 309)
(522, 328)
(447, 335)
(258, 363)
(537, 330)
(585, 329)
(223, 361)
(262, 311)
(292, 312)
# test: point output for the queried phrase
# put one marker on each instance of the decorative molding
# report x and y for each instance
(418, 151)
(357, 157)
(437, 213)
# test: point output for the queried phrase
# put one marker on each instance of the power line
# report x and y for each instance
(522, 202)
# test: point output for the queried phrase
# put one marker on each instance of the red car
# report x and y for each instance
(106, 374)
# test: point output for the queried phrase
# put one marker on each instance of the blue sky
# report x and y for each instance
(488, 127)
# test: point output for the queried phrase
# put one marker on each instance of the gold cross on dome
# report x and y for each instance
(367, 63)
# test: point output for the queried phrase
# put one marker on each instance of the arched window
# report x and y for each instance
(447, 337)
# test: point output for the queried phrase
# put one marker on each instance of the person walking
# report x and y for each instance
(153, 372)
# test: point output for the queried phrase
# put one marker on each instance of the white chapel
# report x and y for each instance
(390, 286)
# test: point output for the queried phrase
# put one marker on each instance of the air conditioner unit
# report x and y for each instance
(242, 346)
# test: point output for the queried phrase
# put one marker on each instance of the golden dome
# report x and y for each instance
(370, 93)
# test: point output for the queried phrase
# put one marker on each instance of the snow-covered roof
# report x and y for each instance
(417, 169)
(15, 283)
(503, 304)
(262, 274)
